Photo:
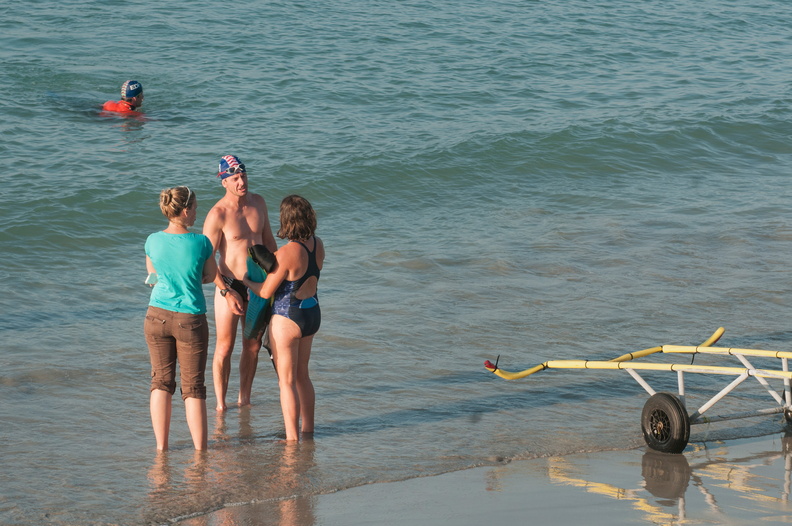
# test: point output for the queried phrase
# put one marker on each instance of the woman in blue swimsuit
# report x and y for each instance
(296, 315)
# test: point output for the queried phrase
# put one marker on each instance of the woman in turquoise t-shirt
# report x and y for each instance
(178, 262)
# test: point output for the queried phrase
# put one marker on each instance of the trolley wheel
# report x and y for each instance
(665, 423)
(787, 410)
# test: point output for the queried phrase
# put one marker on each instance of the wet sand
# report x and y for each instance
(733, 482)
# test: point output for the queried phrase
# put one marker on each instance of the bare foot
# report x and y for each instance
(221, 408)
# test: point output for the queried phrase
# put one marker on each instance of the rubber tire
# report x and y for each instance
(665, 423)
(787, 412)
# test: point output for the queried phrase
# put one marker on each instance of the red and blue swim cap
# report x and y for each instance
(131, 88)
(230, 165)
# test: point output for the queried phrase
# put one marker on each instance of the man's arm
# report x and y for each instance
(213, 229)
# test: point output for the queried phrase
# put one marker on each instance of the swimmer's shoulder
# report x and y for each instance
(217, 213)
(257, 200)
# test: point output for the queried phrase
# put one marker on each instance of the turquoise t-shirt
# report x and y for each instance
(178, 260)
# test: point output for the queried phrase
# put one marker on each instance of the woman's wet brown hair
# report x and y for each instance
(297, 218)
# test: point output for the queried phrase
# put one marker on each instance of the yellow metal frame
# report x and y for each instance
(628, 363)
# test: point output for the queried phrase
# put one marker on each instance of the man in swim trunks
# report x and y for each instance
(238, 221)
(131, 98)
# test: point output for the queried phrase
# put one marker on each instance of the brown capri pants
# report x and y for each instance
(176, 336)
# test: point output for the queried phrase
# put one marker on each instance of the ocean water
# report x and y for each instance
(530, 180)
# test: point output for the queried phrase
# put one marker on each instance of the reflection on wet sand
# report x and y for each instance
(248, 480)
(281, 488)
(267, 480)
(670, 482)
(174, 483)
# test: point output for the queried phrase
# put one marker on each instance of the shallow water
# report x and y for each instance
(530, 180)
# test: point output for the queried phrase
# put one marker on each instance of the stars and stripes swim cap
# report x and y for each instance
(229, 165)
(131, 88)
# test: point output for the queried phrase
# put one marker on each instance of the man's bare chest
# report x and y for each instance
(243, 226)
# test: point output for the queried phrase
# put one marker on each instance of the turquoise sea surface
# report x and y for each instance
(532, 180)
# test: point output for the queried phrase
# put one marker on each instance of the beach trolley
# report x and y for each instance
(665, 420)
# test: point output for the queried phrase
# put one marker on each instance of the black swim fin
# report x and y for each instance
(262, 257)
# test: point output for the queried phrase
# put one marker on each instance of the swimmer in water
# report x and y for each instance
(131, 98)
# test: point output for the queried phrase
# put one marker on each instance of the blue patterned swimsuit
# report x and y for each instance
(305, 313)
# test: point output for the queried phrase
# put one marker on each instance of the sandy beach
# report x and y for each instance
(735, 482)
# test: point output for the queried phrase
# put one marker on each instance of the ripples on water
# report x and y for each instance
(554, 180)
